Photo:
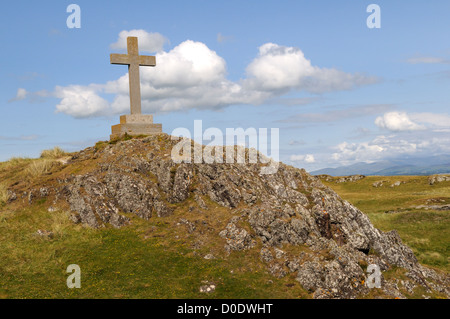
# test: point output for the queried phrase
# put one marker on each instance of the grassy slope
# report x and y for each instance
(142, 260)
(146, 259)
(427, 232)
(155, 258)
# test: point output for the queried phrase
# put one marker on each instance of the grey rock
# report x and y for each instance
(266, 255)
(31, 196)
(277, 270)
(396, 184)
(438, 179)
(434, 207)
(279, 253)
(311, 275)
(351, 178)
(43, 192)
(208, 288)
(272, 211)
(378, 183)
(237, 238)
(11, 196)
(44, 233)
(189, 225)
(200, 202)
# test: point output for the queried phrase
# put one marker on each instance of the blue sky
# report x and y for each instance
(339, 92)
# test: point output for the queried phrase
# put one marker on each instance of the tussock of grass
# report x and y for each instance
(53, 153)
(60, 224)
(3, 193)
(13, 163)
(40, 167)
(100, 145)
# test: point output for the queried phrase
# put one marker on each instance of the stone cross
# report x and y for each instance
(133, 60)
(136, 123)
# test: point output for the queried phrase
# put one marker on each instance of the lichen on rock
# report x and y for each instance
(288, 208)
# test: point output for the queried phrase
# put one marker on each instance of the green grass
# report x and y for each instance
(120, 263)
(155, 258)
(427, 232)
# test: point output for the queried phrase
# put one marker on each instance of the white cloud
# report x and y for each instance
(397, 121)
(79, 101)
(357, 152)
(337, 113)
(297, 142)
(430, 137)
(20, 95)
(20, 138)
(402, 121)
(188, 64)
(308, 158)
(149, 42)
(32, 97)
(435, 120)
(281, 68)
(391, 146)
(191, 75)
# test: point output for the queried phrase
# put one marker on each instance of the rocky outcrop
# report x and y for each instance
(379, 183)
(433, 179)
(351, 178)
(397, 183)
(434, 207)
(289, 208)
(341, 179)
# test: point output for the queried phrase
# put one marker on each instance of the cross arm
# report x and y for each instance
(119, 59)
(146, 60)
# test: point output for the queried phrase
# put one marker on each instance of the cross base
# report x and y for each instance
(135, 124)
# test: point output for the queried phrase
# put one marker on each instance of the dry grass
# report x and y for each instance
(3, 193)
(60, 224)
(13, 163)
(53, 153)
(40, 167)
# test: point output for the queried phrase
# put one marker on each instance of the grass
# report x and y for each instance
(18, 167)
(3, 193)
(13, 164)
(157, 258)
(40, 167)
(53, 153)
(120, 263)
(146, 259)
(427, 232)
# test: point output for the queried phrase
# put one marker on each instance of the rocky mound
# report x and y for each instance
(269, 212)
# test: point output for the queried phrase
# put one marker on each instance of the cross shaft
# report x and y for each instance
(133, 60)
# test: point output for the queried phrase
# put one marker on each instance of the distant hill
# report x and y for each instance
(408, 166)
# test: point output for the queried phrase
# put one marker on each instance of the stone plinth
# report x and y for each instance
(135, 124)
